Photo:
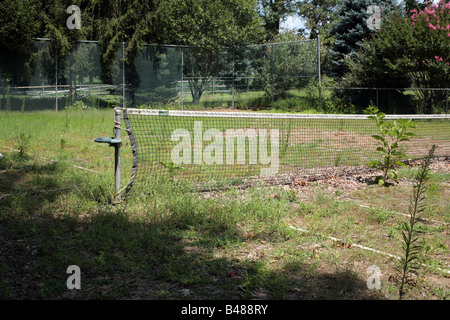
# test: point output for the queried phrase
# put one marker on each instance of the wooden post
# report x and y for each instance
(117, 123)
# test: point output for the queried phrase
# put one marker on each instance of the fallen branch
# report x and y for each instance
(4, 196)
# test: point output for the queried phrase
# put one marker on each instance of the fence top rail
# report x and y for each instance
(208, 114)
(192, 46)
(369, 88)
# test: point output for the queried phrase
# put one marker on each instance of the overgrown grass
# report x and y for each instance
(169, 241)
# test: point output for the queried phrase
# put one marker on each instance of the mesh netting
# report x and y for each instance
(214, 146)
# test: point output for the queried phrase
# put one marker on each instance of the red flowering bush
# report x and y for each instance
(415, 45)
(429, 45)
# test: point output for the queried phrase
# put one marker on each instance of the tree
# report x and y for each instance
(317, 14)
(18, 26)
(408, 51)
(422, 52)
(216, 28)
(287, 65)
(274, 12)
(351, 29)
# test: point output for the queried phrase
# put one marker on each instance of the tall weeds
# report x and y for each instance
(409, 262)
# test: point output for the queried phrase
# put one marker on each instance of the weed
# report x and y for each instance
(8, 98)
(62, 144)
(410, 247)
(391, 133)
(381, 215)
(22, 144)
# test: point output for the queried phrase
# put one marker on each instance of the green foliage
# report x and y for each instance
(22, 145)
(171, 167)
(367, 69)
(411, 248)
(391, 133)
(18, 26)
(281, 60)
(317, 15)
(351, 29)
(8, 98)
(77, 105)
(274, 12)
(209, 25)
(408, 51)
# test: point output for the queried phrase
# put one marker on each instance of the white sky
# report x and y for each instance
(293, 22)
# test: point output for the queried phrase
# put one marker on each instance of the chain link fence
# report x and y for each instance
(284, 76)
(76, 80)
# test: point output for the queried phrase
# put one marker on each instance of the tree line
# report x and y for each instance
(411, 47)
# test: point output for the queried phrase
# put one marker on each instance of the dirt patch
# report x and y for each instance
(343, 179)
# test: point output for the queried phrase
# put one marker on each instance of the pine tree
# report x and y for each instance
(351, 29)
(18, 25)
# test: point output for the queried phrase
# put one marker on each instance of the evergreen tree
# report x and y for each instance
(18, 26)
(407, 52)
(352, 28)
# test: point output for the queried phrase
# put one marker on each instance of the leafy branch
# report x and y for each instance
(390, 134)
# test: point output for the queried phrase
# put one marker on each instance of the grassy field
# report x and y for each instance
(290, 242)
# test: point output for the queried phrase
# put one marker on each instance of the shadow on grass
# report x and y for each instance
(122, 256)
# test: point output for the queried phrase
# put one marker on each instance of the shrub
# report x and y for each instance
(391, 133)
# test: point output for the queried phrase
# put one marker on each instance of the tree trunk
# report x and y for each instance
(196, 91)
(73, 88)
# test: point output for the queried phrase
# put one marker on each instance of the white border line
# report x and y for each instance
(406, 215)
(369, 249)
(177, 113)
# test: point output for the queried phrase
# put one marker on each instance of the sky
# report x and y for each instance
(293, 22)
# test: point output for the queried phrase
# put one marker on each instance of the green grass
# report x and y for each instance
(172, 242)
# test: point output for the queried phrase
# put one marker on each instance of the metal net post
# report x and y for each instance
(117, 135)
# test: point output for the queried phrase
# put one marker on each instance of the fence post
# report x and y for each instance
(377, 98)
(117, 135)
(56, 79)
(318, 63)
(123, 76)
(232, 86)
(271, 73)
(182, 77)
(446, 101)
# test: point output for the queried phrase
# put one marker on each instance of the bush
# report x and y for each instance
(408, 51)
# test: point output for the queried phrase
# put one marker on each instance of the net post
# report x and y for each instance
(117, 135)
